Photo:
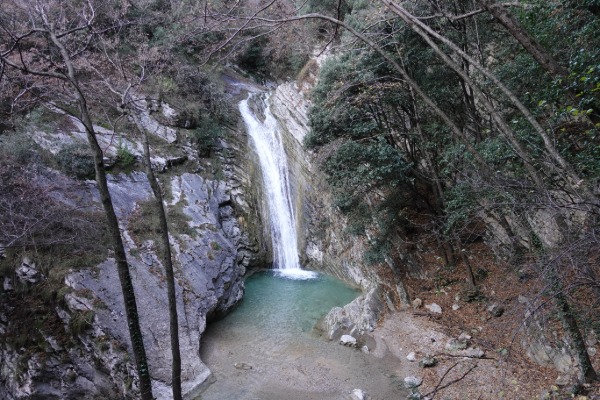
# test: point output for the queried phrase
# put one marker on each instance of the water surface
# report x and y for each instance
(267, 348)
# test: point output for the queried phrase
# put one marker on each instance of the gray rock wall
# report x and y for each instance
(222, 239)
(321, 228)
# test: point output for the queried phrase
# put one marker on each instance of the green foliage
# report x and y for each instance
(144, 224)
(42, 119)
(363, 166)
(461, 205)
(75, 160)
(18, 147)
(81, 321)
(125, 158)
(253, 59)
(205, 136)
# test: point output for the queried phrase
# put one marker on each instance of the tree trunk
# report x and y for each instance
(586, 370)
(563, 167)
(131, 311)
(168, 264)
(532, 46)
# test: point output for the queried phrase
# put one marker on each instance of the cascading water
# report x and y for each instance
(273, 162)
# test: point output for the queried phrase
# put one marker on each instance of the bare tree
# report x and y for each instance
(46, 40)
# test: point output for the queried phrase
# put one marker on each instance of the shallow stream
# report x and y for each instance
(268, 348)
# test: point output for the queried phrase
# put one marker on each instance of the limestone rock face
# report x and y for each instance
(209, 275)
(322, 230)
(213, 248)
(323, 244)
(356, 318)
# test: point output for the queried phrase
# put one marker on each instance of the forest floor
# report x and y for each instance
(505, 371)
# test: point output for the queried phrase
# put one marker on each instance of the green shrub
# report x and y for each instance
(205, 136)
(81, 321)
(18, 147)
(76, 161)
(125, 158)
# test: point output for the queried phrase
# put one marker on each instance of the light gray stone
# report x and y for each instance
(359, 316)
(28, 272)
(496, 310)
(348, 340)
(243, 366)
(7, 284)
(454, 345)
(434, 308)
(416, 303)
(412, 382)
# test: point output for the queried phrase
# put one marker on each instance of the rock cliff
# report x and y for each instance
(214, 243)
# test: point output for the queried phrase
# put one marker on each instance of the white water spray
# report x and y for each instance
(273, 162)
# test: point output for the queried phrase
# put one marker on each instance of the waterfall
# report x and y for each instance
(267, 142)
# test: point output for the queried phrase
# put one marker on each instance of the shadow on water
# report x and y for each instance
(268, 348)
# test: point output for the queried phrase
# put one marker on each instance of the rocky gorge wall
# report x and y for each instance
(215, 244)
(324, 241)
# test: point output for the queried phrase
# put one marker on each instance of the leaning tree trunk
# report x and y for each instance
(532, 46)
(131, 311)
(168, 264)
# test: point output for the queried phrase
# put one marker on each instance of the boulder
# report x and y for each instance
(359, 316)
(28, 272)
(348, 340)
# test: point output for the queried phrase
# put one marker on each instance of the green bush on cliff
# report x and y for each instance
(75, 160)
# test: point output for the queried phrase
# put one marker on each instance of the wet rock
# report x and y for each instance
(434, 308)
